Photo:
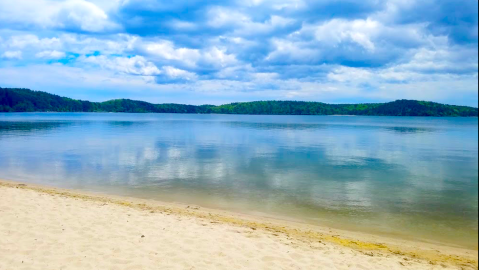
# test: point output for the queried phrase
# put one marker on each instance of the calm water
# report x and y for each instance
(408, 177)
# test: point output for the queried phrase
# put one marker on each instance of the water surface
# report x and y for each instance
(415, 178)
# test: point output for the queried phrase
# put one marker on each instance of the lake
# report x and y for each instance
(407, 177)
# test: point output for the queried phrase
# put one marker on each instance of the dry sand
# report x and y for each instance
(45, 228)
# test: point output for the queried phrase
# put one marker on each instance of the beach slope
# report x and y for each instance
(43, 228)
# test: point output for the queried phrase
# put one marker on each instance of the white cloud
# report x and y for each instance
(221, 17)
(275, 4)
(183, 25)
(71, 15)
(114, 44)
(345, 74)
(361, 32)
(73, 43)
(51, 55)
(219, 58)
(286, 51)
(136, 65)
(166, 50)
(411, 72)
(139, 66)
(266, 76)
(252, 48)
(12, 55)
(243, 25)
(178, 74)
(363, 41)
(440, 60)
(82, 15)
(166, 53)
(24, 41)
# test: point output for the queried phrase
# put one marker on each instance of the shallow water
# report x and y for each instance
(414, 178)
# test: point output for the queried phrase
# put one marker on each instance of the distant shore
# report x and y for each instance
(43, 227)
(26, 100)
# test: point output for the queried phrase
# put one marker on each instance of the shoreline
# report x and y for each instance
(239, 114)
(302, 234)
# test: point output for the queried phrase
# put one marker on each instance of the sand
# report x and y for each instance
(46, 228)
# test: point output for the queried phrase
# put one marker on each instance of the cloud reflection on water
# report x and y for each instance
(328, 170)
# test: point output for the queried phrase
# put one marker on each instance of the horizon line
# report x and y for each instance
(240, 102)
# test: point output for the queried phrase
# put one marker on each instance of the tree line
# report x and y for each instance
(25, 100)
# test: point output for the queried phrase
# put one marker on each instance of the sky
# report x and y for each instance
(216, 52)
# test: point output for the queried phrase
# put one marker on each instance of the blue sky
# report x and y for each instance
(214, 52)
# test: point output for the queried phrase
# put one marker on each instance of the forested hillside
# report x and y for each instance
(24, 100)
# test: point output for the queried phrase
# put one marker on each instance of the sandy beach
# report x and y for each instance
(47, 228)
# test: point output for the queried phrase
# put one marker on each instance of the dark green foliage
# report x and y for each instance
(396, 108)
(24, 100)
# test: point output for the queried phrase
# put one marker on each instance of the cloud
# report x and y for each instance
(170, 75)
(239, 24)
(82, 16)
(51, 55)
(456, 19)
(12, 55)
(136, 65)
(345, 74)
(327, 50)
(218, 58)
(69, 15)
(349, 42)
(166, 50)
(29, 40)
(139, 66)
(359, 31)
